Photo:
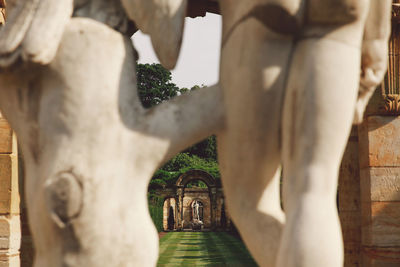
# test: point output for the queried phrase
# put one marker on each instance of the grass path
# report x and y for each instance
(203, 249)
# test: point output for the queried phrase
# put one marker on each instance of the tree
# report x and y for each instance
(155, 85)
(206, 149)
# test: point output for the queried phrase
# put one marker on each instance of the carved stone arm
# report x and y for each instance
(164, 21)
(374, 53)
(187, 119)
(33, 31)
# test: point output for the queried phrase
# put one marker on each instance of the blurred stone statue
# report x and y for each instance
(196, 214)
(68, 89)
(294, 76)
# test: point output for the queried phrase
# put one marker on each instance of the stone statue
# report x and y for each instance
(68, 89)
(196, 214)
(290, 78)
(290, 74)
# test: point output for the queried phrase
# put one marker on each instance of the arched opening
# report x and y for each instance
(194, 202)
(169, 214)
(196, 205)
(223, 220)
(171, 219)
(197, 215)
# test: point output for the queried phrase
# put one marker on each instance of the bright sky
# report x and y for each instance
(198, 62)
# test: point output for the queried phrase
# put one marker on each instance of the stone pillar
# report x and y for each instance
(379, 144)
(179, 192)
(349, 201)
(380, 190)
(213, 208)
(177, 213)
(10, 228)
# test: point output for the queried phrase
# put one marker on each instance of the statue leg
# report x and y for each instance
(253, 72)
(318, 113)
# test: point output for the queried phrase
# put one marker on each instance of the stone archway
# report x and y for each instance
(192, 175)
(186, 197)
(169, 213)
(180, 197)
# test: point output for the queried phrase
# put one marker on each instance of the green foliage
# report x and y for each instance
(157, 183)
(181, 163)
(206, 149)
(156, 204)
(196, 183)
(155, 85)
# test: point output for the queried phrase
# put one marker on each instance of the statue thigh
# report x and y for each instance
(318, 112)
(254, 64)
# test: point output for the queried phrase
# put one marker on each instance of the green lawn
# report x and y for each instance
(203, 249)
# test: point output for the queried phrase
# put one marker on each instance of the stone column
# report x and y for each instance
(10, 226)
(380, 190)
(177, 213)
(179, 192)
(349, 201)
(379, 144)
(213, 202)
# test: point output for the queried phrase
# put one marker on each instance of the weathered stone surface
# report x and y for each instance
(201, 195)
(10, 233)
(380, 191)
(349, 178)
(27, 250)
(381, 257)
(381, 184)
(351, 226)
(9, 260)
(378, 145)
(168, 203)
(352, 256)
(349, 201)
(9, 196)
(382, 228)
(5, 137)
(5, 183)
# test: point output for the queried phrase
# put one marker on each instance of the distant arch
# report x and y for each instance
(193, 175)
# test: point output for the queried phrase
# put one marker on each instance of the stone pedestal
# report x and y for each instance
(10, 228)
(380, 190)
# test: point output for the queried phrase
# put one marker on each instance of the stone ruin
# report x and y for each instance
(179, 201)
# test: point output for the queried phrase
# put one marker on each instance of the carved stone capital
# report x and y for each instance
(391, 105)
(396, 12)
(386, 100)
(384, 104)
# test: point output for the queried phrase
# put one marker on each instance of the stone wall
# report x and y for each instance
(190, 195)
(10, 226)
(349, 199)
(168, 203)
(380, 190)
(202, 195)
